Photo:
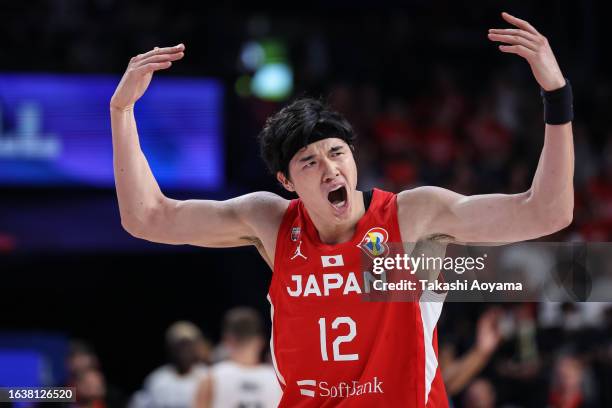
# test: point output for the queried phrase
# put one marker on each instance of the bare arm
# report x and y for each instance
(244, 220)
(204, 393)
(458, 372)
(145, 211)
(543, 209)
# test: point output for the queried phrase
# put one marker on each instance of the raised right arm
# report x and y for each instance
(146, 212)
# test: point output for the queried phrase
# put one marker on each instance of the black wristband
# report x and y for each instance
(558, 104)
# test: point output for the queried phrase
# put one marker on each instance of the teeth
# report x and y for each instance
(339, 204)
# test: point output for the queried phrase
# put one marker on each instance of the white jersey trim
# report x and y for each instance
(272, 353)
(430, 305)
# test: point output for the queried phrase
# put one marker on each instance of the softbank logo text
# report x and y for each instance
(343, 389)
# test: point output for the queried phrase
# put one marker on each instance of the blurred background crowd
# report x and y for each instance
(433, 103)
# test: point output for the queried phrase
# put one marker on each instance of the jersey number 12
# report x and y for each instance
(338, 340)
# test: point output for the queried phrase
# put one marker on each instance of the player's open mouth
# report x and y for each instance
(337, 197)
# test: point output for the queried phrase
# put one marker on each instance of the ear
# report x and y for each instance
(261, 342)
(285, 181)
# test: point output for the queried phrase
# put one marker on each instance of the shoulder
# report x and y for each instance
(417, 208)
(260, 210)
(263, 212)
(222, 367)
(425, 195)
(427, 200)
(200, 369)
(263, 204)
(157, 376)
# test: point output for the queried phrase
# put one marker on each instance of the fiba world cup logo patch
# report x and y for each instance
(295, 233)
(374, 242)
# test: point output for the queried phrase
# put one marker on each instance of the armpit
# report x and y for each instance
(252, 241)
(441, 238)
(260, 248)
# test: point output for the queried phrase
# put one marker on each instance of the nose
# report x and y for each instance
(330, 171)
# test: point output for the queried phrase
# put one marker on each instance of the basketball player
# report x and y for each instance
(329, 347)
(242, 381)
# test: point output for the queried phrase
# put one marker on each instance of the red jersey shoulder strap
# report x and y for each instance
(383, 208)
(286, 230)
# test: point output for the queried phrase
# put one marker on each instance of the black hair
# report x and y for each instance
(80, 347)
(304, 121)
(243, 323)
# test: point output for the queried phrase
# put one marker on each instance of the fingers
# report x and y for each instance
(153, 66)
(157, 51)
(513, 40)
(517, 49)
(513, 31)
(525, 40)
(155, 58)
(519, 23)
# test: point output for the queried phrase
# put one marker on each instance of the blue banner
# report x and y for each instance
(55, 130)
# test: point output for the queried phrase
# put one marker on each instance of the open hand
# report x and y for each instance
(488, 334)
(139, 72)
(527, 42)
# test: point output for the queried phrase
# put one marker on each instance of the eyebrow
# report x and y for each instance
(311, 156)
(307, 158)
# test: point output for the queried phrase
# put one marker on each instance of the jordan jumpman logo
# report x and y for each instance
(298, 252)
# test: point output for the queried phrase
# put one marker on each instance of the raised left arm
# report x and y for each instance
(544, 209)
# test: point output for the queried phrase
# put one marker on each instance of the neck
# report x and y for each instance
(570, 392)
(337, 233)
(182, 370)
(245, 356)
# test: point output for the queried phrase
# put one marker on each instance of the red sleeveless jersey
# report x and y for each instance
(330, 348)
